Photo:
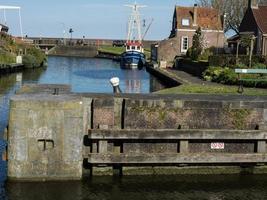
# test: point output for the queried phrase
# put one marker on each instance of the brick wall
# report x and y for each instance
(170, 48)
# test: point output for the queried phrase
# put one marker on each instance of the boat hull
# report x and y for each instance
(132, 60)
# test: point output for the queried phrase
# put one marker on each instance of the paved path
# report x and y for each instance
(189, 79)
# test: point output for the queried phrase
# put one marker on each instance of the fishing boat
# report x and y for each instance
(134, 56)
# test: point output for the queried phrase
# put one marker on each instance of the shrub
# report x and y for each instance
(241, 66)
(220, 75)
(189, 52)
(29, 61)
(227, 75)
(225, 60)
(197, 45)
(37, 54)
(260, 66)
(206, 54)
(7, 58)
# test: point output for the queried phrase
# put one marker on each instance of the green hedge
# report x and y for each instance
(6, 58)
(226, 75)
(230, 60)
(33, 58)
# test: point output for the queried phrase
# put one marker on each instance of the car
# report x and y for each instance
(118, 43)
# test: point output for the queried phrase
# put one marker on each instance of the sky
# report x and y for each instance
(98, 19)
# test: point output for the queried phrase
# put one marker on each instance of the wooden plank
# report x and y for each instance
(103, 146)
(261, 147)
(178, 134)
(183, 147)
(251, 71)
(205, 158)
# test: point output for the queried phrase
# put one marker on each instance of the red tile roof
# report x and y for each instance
(207, 18)
(260, 15)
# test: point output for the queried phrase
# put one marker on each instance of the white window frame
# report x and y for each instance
(185, 22)
(182, 44)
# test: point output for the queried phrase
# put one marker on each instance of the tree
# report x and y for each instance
(233, 9)
(197, 46)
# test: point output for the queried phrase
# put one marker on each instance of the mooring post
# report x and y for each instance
(115, 82)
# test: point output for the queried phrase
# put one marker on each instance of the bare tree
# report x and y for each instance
(234, 10)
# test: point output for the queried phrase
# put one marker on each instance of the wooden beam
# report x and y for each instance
(183, 134)
(205, 158)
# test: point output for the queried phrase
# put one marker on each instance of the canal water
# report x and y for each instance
(83, 75)
(92, 75)
(145, 188)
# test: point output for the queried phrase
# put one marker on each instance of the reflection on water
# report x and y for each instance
(92, 75)
(146, 188)
(84, 75)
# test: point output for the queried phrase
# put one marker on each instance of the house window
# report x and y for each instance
(184, 44)
(185, 22)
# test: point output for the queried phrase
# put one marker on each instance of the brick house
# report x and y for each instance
(186, 21)
(255, 23)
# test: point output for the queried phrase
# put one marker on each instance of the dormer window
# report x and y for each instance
(185, 22)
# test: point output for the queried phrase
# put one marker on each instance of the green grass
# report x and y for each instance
(112, 50)
(207, 89)
(119, 50)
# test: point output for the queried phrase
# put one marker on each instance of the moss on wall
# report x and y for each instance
(238, 117)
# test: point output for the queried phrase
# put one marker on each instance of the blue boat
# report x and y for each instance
(132, 59)
(134, 56)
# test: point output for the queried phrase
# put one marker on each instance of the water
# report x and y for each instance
(92, 75)
(84, 75)
(145, 188)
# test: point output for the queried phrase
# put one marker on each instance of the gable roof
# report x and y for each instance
(207, 18)
(260, 15)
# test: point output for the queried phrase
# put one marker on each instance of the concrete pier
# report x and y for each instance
(54, 137)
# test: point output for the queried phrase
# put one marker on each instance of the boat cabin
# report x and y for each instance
(134, 46)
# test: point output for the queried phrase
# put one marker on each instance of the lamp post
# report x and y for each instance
(71, 31)
(251, 49)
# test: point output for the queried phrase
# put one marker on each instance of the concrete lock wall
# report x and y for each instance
(49, 138)
(45, 138)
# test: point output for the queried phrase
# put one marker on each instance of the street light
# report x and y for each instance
(71, 31)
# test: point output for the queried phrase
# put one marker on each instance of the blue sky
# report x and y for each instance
(89, 18)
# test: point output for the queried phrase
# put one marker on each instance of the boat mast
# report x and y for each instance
(134, 24)
(4, 8)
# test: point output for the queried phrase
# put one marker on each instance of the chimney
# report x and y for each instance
(253, 4)
(195, 15)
